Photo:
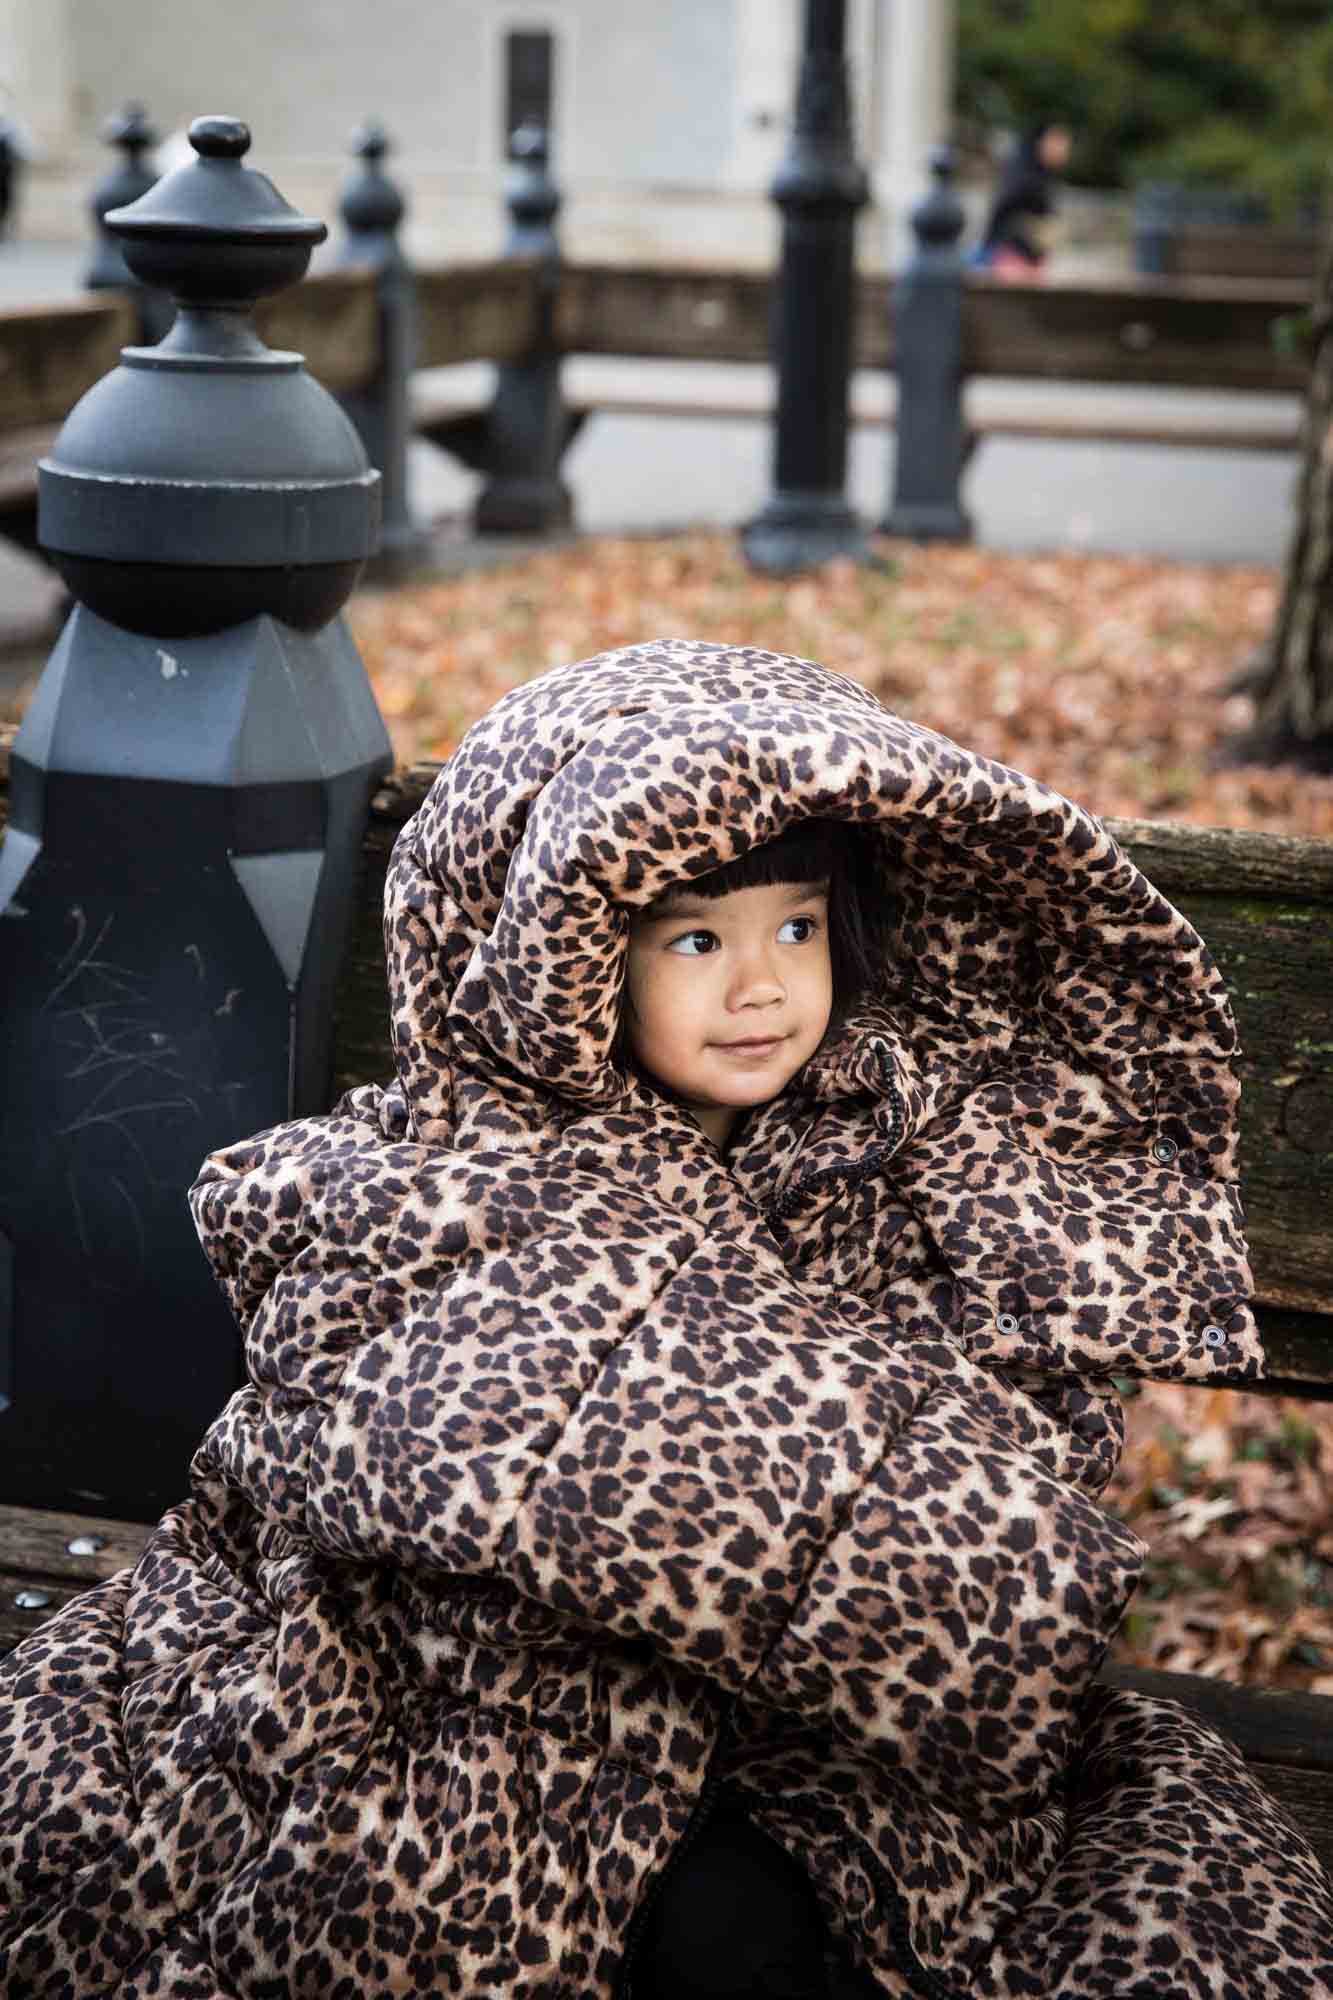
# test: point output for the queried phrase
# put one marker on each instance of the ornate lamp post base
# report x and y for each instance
(796, 530)
(925, 523)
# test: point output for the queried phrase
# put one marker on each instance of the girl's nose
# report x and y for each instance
(757, 983)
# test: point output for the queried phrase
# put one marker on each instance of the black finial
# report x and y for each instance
(130, 130)
(132, 136)
(371, 206)
(937, 219)
(531, 195)
(216, 138)
(215, 231)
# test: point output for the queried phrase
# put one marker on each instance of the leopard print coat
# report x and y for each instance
(581, 1472)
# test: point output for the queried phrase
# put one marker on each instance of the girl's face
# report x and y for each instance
(727, 996)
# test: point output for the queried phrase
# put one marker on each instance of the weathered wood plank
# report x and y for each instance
(1286, 1738)
(37, 1562)
(1214, 335)
(1282, 1727)
(477, 312)
(333, 320)
(1207, 250)
(688, 315)
(49, 355)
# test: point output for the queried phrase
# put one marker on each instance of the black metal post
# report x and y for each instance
(372, 208)
(928, 360)
(819, 187)
(132, 176)
(188, 799)
(528, 426)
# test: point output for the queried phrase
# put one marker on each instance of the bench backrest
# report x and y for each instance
(1218, 334)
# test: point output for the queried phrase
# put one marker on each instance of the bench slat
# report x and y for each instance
(50, 354)
(35, 1558)
(1214, 334)
(1272, 1725)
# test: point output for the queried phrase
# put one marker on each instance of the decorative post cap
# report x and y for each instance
(131, 176)
(215, 230)
(531, 195)
(210, 479)
(129, 129)
(530, 144)
(937, 219)
(371, 205)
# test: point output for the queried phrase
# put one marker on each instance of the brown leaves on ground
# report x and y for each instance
(1106, 676)
(1234, 1493)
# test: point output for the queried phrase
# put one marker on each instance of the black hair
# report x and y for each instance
(860, 908)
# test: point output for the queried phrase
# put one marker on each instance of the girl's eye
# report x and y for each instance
(804, 928)
(694, 944)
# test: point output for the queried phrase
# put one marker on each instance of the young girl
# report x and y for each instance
(658, 1548)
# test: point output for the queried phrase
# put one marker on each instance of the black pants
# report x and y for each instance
(736, 1919)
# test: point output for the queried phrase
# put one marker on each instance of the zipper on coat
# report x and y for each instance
(851, 1171)
(694, 1826)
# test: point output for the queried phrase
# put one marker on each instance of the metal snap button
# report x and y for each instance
(1214, 1336)
(1165, 1150)
(1007, 1323)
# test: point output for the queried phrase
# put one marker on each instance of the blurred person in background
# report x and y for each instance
(1013, 243)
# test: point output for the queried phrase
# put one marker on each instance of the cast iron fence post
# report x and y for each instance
(372, 208)
(819, 187)
(188, 798)
(527, 427)
(928, 360)
(132, 135)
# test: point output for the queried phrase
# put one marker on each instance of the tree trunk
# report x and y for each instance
(1292, 682)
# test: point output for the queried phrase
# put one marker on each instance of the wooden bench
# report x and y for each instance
(1217, 335)
(1264, 902)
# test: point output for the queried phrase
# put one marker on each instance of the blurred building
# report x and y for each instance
(668, 120)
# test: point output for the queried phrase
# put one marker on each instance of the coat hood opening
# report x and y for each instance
(585, 794)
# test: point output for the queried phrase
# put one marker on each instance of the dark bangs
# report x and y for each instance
(847, 858)
(806, 852)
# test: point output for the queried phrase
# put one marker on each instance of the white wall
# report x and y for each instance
(670, 115)
(645, 91)
(35, 82)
